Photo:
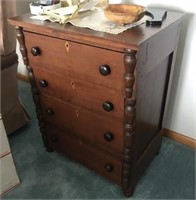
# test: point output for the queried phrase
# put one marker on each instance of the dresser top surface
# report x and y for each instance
(133, 37)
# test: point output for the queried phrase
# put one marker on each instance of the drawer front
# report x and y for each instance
(80, 93)
(95, 159)
(106, 133)
(76, 60)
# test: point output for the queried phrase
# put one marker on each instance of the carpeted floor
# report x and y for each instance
(44, 175)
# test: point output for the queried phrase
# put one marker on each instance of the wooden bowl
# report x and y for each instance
(124, 13)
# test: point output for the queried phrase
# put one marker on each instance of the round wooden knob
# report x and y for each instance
(35, 51)
(43, 83)
(108, 106)
(108, 136)
(49, 112)
(109, 168)
(104, 70)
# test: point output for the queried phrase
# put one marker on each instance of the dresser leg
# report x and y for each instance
(157, 153)
(128, 192)
(45, 139)
(49, 150)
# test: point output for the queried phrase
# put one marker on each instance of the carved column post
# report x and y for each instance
(129, 176)
(21, 40)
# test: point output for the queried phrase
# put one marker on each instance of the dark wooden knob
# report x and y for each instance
(109, 168)
(108, 136)
(104, 70)
(35, 51)
(43, 83)
(108, 106)
(49, 112)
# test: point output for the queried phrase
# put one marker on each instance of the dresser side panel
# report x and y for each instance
(155, 62)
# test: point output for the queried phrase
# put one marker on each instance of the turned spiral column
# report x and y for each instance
(128, 175)
(23, 50)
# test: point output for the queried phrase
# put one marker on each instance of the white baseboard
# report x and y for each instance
(179, 138)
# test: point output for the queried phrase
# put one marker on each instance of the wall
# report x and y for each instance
(181, 108)
(22, 6)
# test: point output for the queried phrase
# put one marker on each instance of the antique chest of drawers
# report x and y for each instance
(100, 98)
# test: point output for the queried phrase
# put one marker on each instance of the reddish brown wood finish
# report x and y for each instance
(86, 66)
(84, 123)
(72, 90)
(67, 61)
(132, 38)
(94, 158)
(128, 175)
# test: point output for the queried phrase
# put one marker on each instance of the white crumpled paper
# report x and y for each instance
(97, 21)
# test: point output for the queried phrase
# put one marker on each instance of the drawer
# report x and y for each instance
(105, 132)
(101, 100)
(75, 60)
(100, 161)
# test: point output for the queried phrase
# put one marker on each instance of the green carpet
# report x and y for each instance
(44, 175)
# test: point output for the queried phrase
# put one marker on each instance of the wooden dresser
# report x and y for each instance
(100, 97)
